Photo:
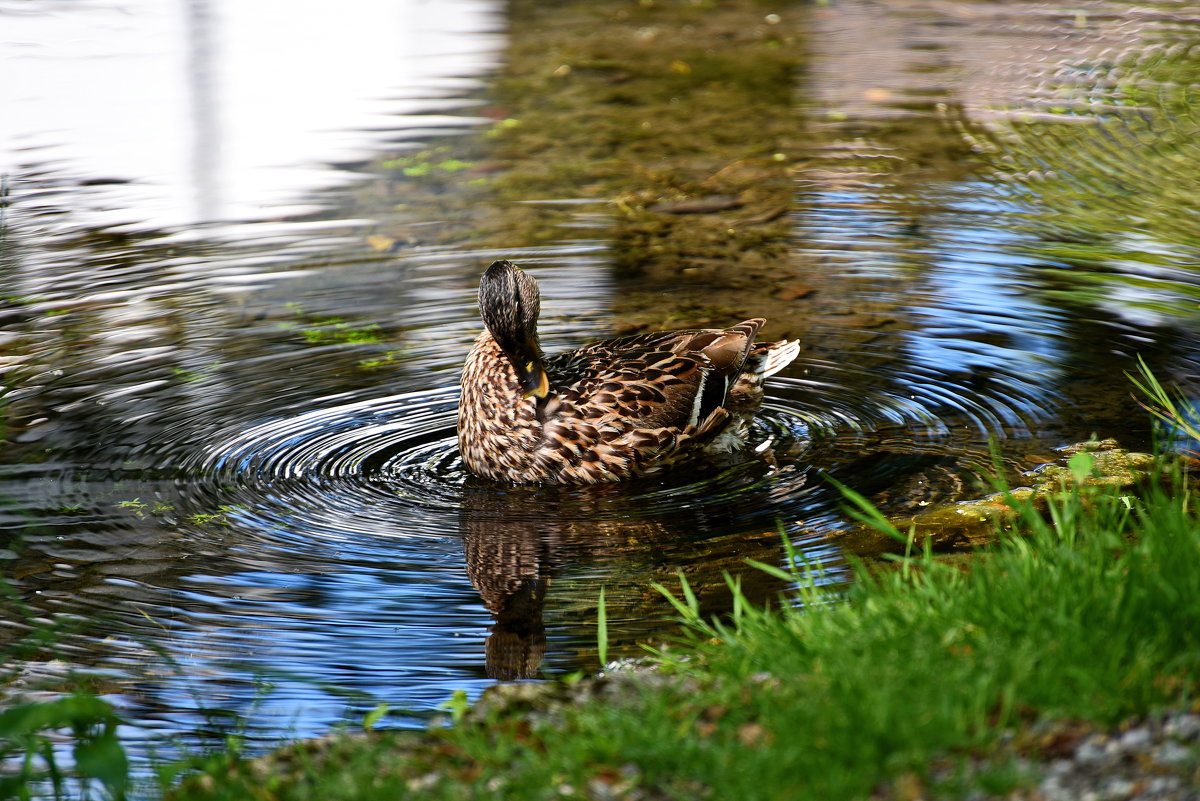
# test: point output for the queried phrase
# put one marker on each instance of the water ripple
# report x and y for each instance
(365, 466)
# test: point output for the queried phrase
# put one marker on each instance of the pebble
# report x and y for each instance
(1185, 727)
(1151, 758)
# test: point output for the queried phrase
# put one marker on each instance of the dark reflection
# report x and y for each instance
(510, 559)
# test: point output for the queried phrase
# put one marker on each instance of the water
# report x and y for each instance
(230, 473)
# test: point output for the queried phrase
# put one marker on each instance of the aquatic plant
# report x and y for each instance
(1168, 406)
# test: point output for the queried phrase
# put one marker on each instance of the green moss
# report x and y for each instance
(337, 332)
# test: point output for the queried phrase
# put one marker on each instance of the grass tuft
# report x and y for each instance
(1169, 407)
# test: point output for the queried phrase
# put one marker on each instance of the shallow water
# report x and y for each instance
(230, 472)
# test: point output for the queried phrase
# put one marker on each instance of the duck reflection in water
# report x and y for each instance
(509, 557)
(517, 540)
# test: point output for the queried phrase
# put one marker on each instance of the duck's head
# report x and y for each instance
(509, 303)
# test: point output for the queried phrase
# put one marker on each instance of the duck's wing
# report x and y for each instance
(675, 380)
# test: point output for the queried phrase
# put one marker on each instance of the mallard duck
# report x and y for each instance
(609, 411)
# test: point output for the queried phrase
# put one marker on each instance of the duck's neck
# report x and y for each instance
(524, 354)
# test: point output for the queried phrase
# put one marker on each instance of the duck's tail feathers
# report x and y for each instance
(779, 355)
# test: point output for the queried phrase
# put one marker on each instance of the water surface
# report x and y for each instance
(232, 334)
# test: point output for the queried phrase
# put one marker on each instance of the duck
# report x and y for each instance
(610, 411)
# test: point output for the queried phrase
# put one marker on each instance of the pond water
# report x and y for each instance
(229, 479)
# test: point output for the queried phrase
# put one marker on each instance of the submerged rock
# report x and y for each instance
(967, 525)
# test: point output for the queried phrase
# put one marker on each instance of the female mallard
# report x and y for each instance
(609, 411)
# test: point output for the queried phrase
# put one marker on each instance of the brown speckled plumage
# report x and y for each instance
(609, 411)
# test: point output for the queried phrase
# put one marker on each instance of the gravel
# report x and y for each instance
(1151, 758)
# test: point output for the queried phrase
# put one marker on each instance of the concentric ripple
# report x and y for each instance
(344, 469)
(390, 467)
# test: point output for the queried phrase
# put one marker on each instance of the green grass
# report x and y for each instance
(77, 727)
(1169, 406)
(99, 759)
(1093, 612)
